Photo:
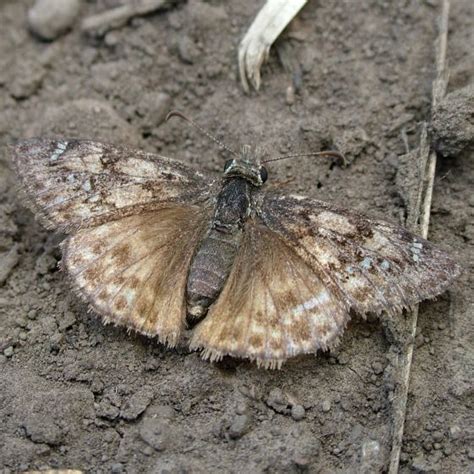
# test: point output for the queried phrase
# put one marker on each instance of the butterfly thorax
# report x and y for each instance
(215, 255)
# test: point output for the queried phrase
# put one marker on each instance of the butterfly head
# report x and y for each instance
(246, 166)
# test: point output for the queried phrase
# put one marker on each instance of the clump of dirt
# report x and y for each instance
(453, 122)
(78, 394)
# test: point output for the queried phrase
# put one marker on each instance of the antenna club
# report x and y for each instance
(174, 113)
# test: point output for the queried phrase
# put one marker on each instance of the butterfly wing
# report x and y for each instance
(80, 183)
(133, 270)
(371, 265)
(134, 219)
(272, 307)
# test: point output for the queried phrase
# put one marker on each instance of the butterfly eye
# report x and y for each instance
(263, 174)
(227, 164)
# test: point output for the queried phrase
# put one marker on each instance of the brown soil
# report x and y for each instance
(77, 394)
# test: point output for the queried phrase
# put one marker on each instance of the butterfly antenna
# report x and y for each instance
(328, 154)
(175, 113)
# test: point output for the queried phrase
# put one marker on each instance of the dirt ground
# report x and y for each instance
(77, 394)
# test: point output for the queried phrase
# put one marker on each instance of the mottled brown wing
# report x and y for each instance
(371, 265)
(273, 306)
(80, 183)
(133, 270)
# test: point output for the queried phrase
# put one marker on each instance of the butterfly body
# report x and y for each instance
(215, 255)
(154, 245)
(212, 263)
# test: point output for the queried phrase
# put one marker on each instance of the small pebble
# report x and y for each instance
(187, 50)
(51, 18)
(111, 39)
(152, 364)
(346, 405)
(241, 408)
(239, 426)
(427, 445)
(147, 450)
(117, 468)
(455, 431)
(301, 461)
(8, 352)
(298, 412)
(377, 367)
(278, 401)
(326, 405)
(32, 314)
(21, 322)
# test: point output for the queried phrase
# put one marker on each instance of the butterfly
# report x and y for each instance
(162, 249)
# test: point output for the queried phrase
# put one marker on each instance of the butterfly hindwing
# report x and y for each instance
(273, 306)
(81, 183)
(372, 265)
(133, 270)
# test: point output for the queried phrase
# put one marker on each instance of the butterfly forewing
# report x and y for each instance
(371, 265)
(273, 306)
(133, 223)
(79, 183)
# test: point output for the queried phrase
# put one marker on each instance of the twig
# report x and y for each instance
(116, 17)
(422, 213)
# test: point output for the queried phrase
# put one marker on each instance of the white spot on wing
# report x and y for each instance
(94, 198)
(416, 250)
(58, 200)
(321, 298)
(87, 186)
(366, 263)
(58, 151)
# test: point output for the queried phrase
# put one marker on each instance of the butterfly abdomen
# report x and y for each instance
(215, 255)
